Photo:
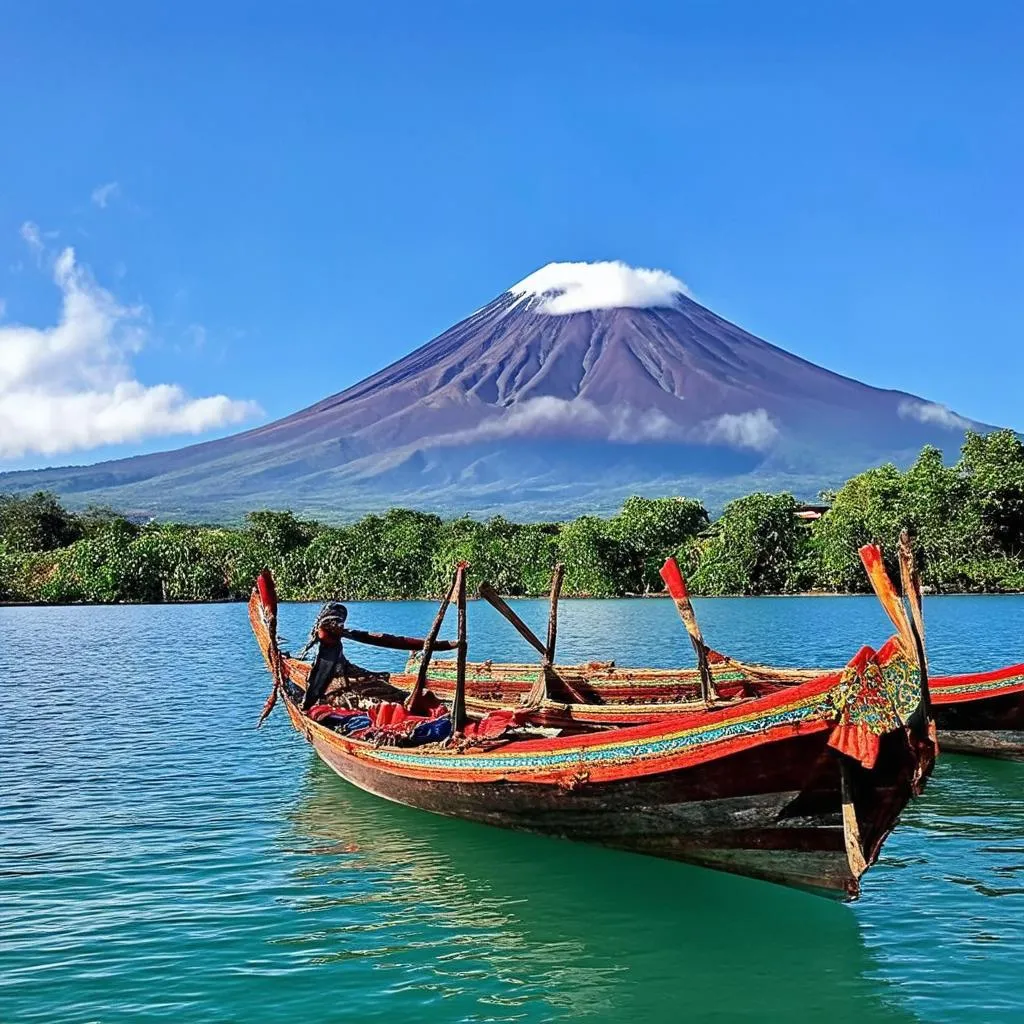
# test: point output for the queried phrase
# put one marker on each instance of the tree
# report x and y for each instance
(105, 568)
(37, 522)
(598, 564)
(387, 556)
(993, 467)
(866, 509)
(657, 528)
(281, 532)
(756, 547)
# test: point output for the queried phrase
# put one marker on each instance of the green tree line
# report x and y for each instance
(967, 521)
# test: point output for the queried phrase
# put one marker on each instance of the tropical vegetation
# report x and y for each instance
(967, 521)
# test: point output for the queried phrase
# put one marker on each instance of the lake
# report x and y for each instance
(161, 860)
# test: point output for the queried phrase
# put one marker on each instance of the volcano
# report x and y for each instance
(582, 384)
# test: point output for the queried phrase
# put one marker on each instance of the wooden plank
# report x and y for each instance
(851, 827)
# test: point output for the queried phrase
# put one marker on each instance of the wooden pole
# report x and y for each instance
(491, 596)
(459, 701)
(911, 581)
(851, 827)
(556, 590)
(431, 639)
(392, 642)
(673, 577)
(539, 692)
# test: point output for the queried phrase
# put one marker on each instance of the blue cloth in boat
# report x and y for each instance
(434, 731)
(352, 723)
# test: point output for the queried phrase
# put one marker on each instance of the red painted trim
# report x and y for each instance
(979, 677)
(673, 578)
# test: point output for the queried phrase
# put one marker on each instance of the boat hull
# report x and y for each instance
(982, 714)
(799, 785)
(771, 812)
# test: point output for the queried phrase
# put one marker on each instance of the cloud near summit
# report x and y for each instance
(561, 288)
(70, 387)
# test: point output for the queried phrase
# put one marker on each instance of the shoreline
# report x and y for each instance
(538, 597)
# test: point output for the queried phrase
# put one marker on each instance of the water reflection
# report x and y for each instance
(520, 924)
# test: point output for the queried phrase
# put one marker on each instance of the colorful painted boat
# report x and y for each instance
(978, 713)
(799, 785)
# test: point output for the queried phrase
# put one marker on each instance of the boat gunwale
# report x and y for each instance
(604, 755)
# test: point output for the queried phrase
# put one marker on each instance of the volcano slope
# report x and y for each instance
(580, 385)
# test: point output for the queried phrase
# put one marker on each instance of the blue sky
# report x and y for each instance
(300, 194)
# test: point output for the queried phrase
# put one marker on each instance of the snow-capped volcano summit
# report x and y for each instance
(579, 385)
(562, 288)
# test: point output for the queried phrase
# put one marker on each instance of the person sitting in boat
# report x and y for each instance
(333, 677)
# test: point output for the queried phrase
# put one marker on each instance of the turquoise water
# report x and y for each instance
(160, 860)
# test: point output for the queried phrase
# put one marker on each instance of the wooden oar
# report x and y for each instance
(431, 639)
(673, 578)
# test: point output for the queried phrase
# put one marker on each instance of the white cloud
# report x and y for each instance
(933, 413)
(71, 387)
(102, 194)
(546, 415)
(754, 429)
(32, 236)
(562, 288)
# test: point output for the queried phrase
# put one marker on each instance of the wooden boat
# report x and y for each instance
(979, 713)
(975, 713)
(799, 785)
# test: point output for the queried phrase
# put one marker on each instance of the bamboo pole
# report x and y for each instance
(458, 711)
(431, 639)
(539, 692)
(491, 596)
(673, 578)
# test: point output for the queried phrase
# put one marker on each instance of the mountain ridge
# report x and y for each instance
(572, 389)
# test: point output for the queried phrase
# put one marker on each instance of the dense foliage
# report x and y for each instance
(967, 520)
